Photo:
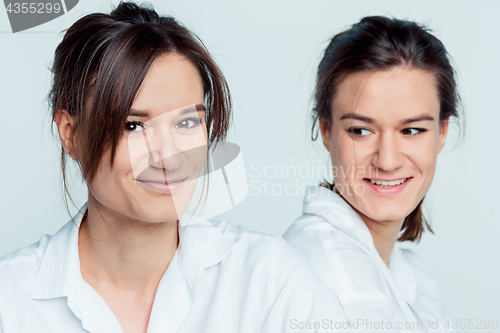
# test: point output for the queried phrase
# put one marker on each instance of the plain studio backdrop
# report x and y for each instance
(269, 52)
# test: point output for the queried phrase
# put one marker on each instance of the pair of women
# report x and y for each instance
(139, 104)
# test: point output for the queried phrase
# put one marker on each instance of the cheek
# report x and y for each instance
(426, 164)
(423, 154)
(194, 159)
(349, 157)
(109, 179)
(122, 164)
(193, 149)
(198, 156)
(339, 155)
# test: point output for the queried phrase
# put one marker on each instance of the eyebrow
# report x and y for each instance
(417, 119)
(144, 114)
(356, 116)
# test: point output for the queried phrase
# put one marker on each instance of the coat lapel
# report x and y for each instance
(173, 300)
(202, 245)
(324, 202)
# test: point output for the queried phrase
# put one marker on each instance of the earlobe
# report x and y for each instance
(65, 125)
(443, 133)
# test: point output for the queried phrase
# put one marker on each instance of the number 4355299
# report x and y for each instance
(471, 324)
(33, 8)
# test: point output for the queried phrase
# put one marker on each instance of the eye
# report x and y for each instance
(413, 131)
(134, 126)
(188, 123)
(358, 131)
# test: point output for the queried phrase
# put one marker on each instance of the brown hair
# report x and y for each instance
(379, 43)
(100, 64)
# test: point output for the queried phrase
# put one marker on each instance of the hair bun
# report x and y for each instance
(130, 12)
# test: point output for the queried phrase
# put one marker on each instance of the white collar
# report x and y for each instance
(321, 201)
(201, 245)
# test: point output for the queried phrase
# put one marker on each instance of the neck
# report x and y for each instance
(121, 252)
(385, 235)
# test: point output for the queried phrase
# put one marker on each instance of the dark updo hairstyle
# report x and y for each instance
(379, 43)
(100, 65)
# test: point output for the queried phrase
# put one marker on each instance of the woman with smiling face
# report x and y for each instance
(384, 96)
(139, 104)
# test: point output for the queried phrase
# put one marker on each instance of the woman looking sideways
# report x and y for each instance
(384, 96)
(139, 103)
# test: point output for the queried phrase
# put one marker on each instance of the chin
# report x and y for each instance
(154, 211)
(159, 216)
(395, 211)
(387, 217)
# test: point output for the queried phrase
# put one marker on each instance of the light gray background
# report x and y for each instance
(269, 51)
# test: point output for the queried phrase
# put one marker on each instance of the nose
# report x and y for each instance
(163, 153)
(388, 156)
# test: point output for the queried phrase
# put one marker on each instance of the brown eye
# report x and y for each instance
(413, 131)
(188, 123)
(359, 131)
(133, 126)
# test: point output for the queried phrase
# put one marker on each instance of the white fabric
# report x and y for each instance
(222, 278)
(336, 241)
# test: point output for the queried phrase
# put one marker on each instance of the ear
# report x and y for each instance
(325, 132)
(443, 133)
(65, 125)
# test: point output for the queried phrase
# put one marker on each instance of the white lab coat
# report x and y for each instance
(336, 241)
(221, 279)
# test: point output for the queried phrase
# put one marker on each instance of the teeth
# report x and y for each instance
(387, 184)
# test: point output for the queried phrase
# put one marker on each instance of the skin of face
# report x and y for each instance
(371, 137)
(172, 84)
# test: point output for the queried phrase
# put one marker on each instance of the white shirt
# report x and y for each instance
(336, 241)
(222, 278)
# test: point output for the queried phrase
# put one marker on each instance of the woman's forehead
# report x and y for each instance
(172, 82)
(399, 93)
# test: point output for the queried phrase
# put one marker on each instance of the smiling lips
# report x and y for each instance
(387, 187)
(388, 183)
(161, 186)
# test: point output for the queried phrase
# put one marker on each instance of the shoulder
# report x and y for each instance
(307, 223)
(422, 273)
(318, 240)
(265, 258)
(282, 281)
(426, 287)
(335, 255)
(258, 246)
(427, 294)
(413, 258)
(306, 232)
(18, 269)
(25, 257)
